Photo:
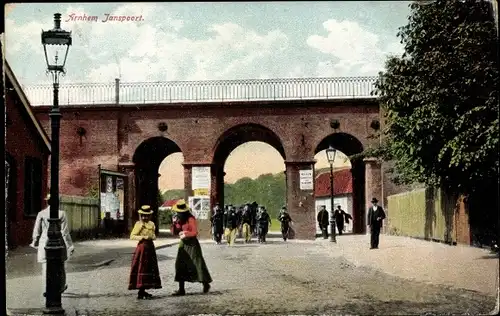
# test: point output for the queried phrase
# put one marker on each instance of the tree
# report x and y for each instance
(440, 98)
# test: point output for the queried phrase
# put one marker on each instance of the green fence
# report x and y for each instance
(423, 213)
(82, 214)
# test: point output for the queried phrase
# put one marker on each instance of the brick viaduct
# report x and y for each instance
(128, 139)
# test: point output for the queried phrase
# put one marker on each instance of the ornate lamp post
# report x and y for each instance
(53, 40)
(330, 155)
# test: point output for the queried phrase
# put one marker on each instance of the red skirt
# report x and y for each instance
(144, 273)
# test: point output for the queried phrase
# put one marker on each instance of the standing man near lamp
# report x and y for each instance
(40, 239)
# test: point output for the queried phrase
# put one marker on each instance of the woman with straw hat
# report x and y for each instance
(144, 273)
(189, 265)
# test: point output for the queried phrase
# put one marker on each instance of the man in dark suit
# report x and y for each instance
(376, 215)
(323, 221)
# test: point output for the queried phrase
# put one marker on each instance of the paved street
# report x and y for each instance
(298, 277)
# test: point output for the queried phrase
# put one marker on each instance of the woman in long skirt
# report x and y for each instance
(144, 273)
(189, 265)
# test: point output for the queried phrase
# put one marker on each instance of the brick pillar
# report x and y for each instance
(203, 224)
(373, 184)
(188, 191)
(130, 194)
(300, 203)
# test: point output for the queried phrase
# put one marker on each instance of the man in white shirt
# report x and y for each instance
(40, 238)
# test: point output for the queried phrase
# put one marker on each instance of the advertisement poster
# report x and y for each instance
(306, 180)
(201, 178)
(112, 195)
(200, 206)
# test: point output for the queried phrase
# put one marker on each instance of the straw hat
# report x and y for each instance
(145, 210)
(180, 206)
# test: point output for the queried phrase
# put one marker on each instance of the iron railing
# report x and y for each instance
(204, 91)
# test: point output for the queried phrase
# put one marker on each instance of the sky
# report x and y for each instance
(206, 41)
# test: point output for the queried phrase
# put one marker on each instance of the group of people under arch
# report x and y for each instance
(245, 221)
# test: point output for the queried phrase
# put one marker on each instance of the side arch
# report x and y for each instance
(147, 159)
(350, 145)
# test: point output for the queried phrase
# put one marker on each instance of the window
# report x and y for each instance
(32, 186)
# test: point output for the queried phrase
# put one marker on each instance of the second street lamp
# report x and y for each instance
(330, 155)
(55, 249)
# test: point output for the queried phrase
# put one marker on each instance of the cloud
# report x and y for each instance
(155, 49)
(352, 49)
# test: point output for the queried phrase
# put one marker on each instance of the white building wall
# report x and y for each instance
(345, 202)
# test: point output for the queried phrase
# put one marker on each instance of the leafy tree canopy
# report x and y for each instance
(440, 97)
(268, 190)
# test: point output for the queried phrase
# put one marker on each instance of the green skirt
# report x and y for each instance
(190, 265)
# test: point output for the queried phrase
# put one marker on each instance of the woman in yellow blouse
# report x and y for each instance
(144, 273)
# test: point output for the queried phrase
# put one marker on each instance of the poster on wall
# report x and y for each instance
(200, 178)
(112, 195)
(306, 180)
(200, 206)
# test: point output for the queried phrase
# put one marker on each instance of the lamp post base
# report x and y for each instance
(56, 310)
(56, 275)
(333, 237)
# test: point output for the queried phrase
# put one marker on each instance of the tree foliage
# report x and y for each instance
(440, 98)
(268, 190)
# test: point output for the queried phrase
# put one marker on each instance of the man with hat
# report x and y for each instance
(285, 220)
(231, 225)
(40, 238)
(323, 221)
(376, 215)
(217, 223)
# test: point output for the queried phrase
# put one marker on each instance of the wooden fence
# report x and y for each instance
(82, 214)
(428, 214)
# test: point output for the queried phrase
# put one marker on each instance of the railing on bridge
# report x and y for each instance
(204, 91)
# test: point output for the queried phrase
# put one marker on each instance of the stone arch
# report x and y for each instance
(232, 138)
(243, 133)
(350, 145)
(147, 159)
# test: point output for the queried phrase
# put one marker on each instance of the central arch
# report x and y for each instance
(350, 145)
(147, 159)
(232, 138)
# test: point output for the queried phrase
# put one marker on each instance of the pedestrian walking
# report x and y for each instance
(264, 222)
(40, 238)
(231, 226)
(144, 272)
(285, 221)
(254, 209)
(323, 221)
(246, 220)
(376, 215)
(239, 214)
(340, 217)
(190, 265)
(217, 223)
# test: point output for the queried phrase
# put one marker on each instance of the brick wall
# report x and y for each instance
(114, 133)
(22, 140)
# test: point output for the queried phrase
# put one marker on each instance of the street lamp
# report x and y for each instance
(330, 155)
(55, 249)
